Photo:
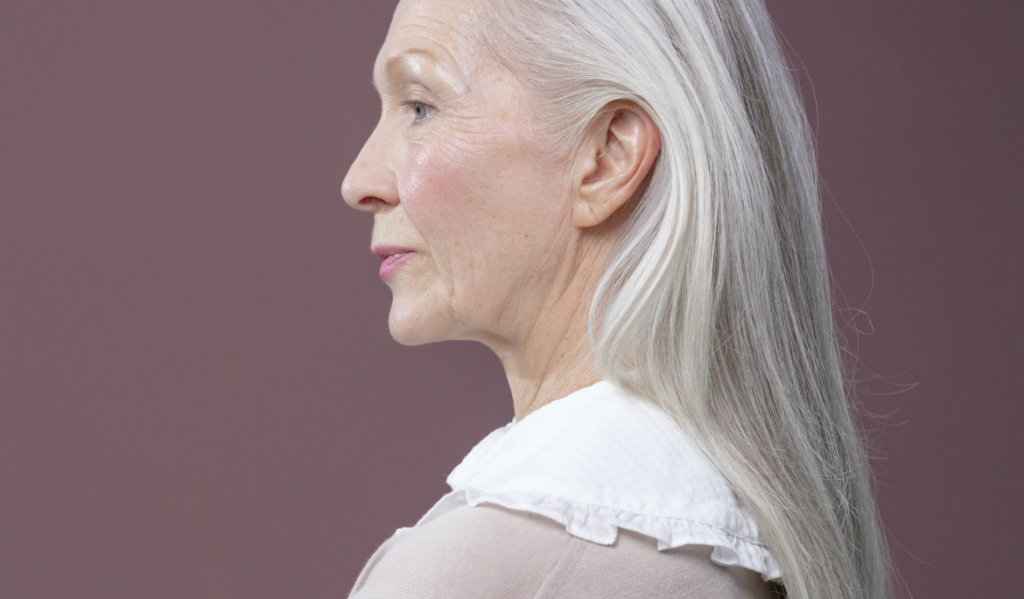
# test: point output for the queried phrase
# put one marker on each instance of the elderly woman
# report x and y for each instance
(619, 198)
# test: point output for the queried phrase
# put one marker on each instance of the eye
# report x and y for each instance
(419, 110)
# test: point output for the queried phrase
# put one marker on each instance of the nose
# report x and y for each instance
(370, 183)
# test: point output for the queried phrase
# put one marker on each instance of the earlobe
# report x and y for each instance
(614, 160)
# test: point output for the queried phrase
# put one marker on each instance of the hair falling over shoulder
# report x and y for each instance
(717, 305)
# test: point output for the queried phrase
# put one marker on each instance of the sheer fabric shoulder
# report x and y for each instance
(490, 551)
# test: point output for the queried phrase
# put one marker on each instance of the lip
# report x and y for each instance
(394, 256)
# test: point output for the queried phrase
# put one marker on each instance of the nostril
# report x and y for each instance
(372, 202)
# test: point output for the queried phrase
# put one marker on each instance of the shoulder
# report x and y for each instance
(490, 551)
(634, 567)
(485, 551)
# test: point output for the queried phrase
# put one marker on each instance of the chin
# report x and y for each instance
(415, 325)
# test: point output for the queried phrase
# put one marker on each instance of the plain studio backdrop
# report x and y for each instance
(198, 394)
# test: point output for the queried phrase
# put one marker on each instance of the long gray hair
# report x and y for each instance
(716, 305)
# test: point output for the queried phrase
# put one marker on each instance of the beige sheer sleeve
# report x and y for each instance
(488, 552)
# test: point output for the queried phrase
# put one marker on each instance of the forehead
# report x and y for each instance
(433, 29)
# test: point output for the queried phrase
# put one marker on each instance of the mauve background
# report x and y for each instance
(198, 394)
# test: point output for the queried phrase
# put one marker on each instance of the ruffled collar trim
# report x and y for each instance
(599, 460)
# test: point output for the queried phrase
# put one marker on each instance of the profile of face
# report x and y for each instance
(476, 225)
(466, 209)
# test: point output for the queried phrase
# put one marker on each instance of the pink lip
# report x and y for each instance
(393, 256)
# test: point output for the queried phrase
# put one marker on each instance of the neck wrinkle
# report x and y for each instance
(553, 365)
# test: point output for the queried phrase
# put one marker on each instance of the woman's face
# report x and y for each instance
(470, 216)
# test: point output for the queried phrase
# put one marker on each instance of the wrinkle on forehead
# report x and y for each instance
(416, 63)
(441, 31)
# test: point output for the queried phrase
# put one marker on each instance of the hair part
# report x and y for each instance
(716, 305)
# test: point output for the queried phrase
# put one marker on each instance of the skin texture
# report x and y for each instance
(509, 243)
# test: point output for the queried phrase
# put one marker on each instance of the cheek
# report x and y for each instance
(446, 197)
(480, 206)
(420, 177)
(426, 180)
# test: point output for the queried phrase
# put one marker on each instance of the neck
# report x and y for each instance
(552, 357)
(550, 368)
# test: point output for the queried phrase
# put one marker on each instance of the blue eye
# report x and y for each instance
(420, 110)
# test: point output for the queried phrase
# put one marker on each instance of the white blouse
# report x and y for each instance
(600, 460)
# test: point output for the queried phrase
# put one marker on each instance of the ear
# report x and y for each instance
(614, 160)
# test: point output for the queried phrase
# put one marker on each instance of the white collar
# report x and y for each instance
(600, 459)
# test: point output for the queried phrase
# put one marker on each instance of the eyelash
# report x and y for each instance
(413, 104)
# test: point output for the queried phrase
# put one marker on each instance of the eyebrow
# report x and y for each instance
(402, 62)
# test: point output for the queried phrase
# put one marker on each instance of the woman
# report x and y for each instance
(618, 198)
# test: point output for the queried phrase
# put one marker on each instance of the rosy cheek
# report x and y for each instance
(429, 189)
(423, 179)
(414, 175)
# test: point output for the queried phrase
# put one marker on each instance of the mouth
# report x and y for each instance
(394, 256)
